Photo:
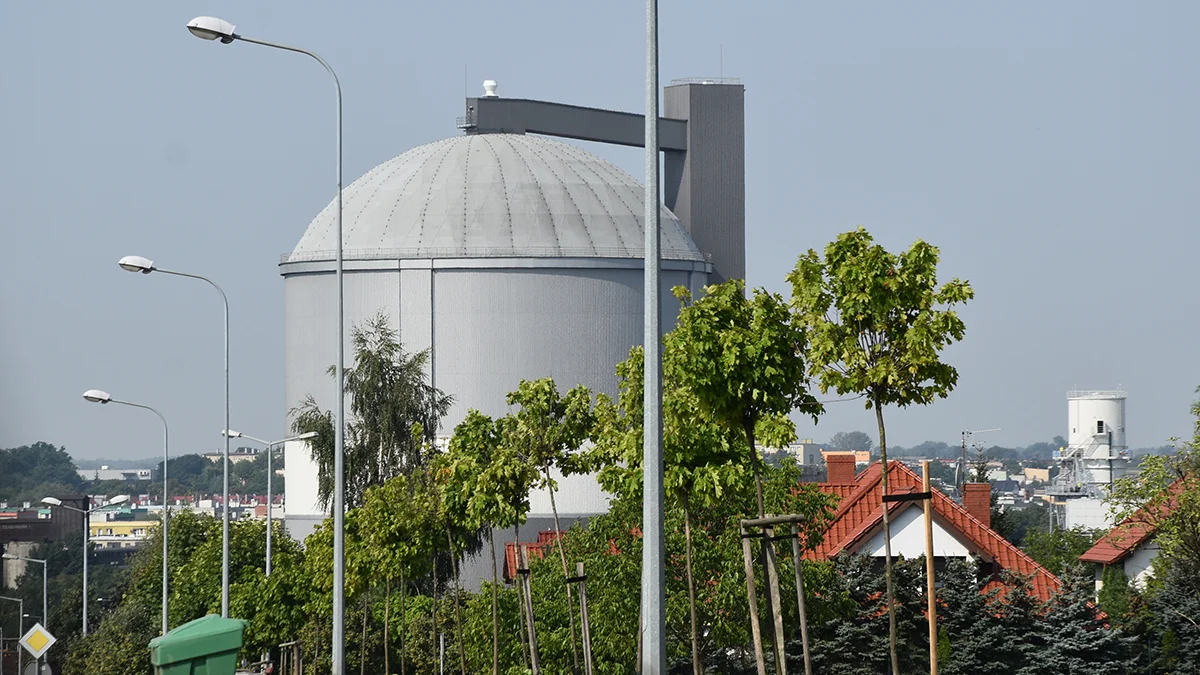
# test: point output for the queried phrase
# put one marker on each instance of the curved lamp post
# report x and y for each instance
(103, 398)
(20, 628)
(136, 263)
(212, 28)
(230, 433)
(87, 532)
(13, 556)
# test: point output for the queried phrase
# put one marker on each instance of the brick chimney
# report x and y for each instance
(840, 468)
(977, 500)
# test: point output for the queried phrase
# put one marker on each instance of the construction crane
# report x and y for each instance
(962, 466)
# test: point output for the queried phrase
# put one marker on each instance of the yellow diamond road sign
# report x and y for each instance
(38, 640)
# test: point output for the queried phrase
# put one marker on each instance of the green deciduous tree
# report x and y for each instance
(486, 484)
(877, 324)
(1164, 496)
(1059, 550)
(394, 414)
(396, 528)
(851, 440)
(549, 429)
(704, 461)
(743, 359)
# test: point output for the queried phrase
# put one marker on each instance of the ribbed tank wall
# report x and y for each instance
(490, 327)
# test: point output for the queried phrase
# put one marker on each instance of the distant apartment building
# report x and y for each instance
(806, 452)
(235, 455)
(860, 456)
(105, 473)
(1040, 475)
(120, 534)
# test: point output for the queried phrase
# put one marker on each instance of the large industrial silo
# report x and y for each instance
(510, 255)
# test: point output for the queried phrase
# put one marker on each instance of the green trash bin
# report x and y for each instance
(207, 646)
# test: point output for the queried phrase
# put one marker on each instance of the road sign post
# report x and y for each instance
(37, 641)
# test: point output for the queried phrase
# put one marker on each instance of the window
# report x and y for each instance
(1099, 426)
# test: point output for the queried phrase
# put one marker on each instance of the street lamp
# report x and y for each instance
(103, 398)
(87, 531)
(136, 263)
(20, 628)
(270, 451)
(13, 556)
(212, 28)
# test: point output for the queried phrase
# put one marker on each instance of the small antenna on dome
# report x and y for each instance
(489, 88)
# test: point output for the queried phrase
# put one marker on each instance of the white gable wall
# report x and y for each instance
(1138, 566)
(908, 538)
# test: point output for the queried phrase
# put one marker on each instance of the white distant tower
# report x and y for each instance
(1095, 457)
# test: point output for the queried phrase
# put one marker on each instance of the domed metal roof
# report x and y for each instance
(492, 195)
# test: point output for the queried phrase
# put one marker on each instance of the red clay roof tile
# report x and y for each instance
(860, 511)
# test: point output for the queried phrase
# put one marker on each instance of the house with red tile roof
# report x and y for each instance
(959, 531)
(1131, 544)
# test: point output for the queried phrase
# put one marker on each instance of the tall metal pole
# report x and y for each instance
(87, 535)
(270, 451)
(653, 578)
(45, 616)
(225, 471)
(166, 456)
(270, 446)
(20, 627)
(930, 589)
(339, 526)
(166, 516)
(225, 478)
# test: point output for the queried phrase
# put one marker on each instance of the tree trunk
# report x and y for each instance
(436, 653)
(697, 667)
(403, 623)
(520, 594)
(748, 425)
(387, 607)
(562, 554)
(362, 648)
(887, 544)
(462, 649)
(495, 607)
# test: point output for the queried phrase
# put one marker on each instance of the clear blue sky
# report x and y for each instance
(1049, 149)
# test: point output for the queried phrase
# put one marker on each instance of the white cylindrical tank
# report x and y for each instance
(1097, 418)
(507, 257)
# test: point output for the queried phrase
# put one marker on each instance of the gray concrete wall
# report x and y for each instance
(15, 569)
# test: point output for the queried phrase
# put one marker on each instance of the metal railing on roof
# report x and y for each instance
(706, 80)
(1096, 393)
(488, 252)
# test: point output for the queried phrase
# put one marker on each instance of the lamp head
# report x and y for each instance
(96, 396)
(306, 437)
(52, 501)
(231, 433)
(119, 499)
(9, 556)
(136, 263)
(212, 28)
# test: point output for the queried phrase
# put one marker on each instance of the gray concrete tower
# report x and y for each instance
(705, 186)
